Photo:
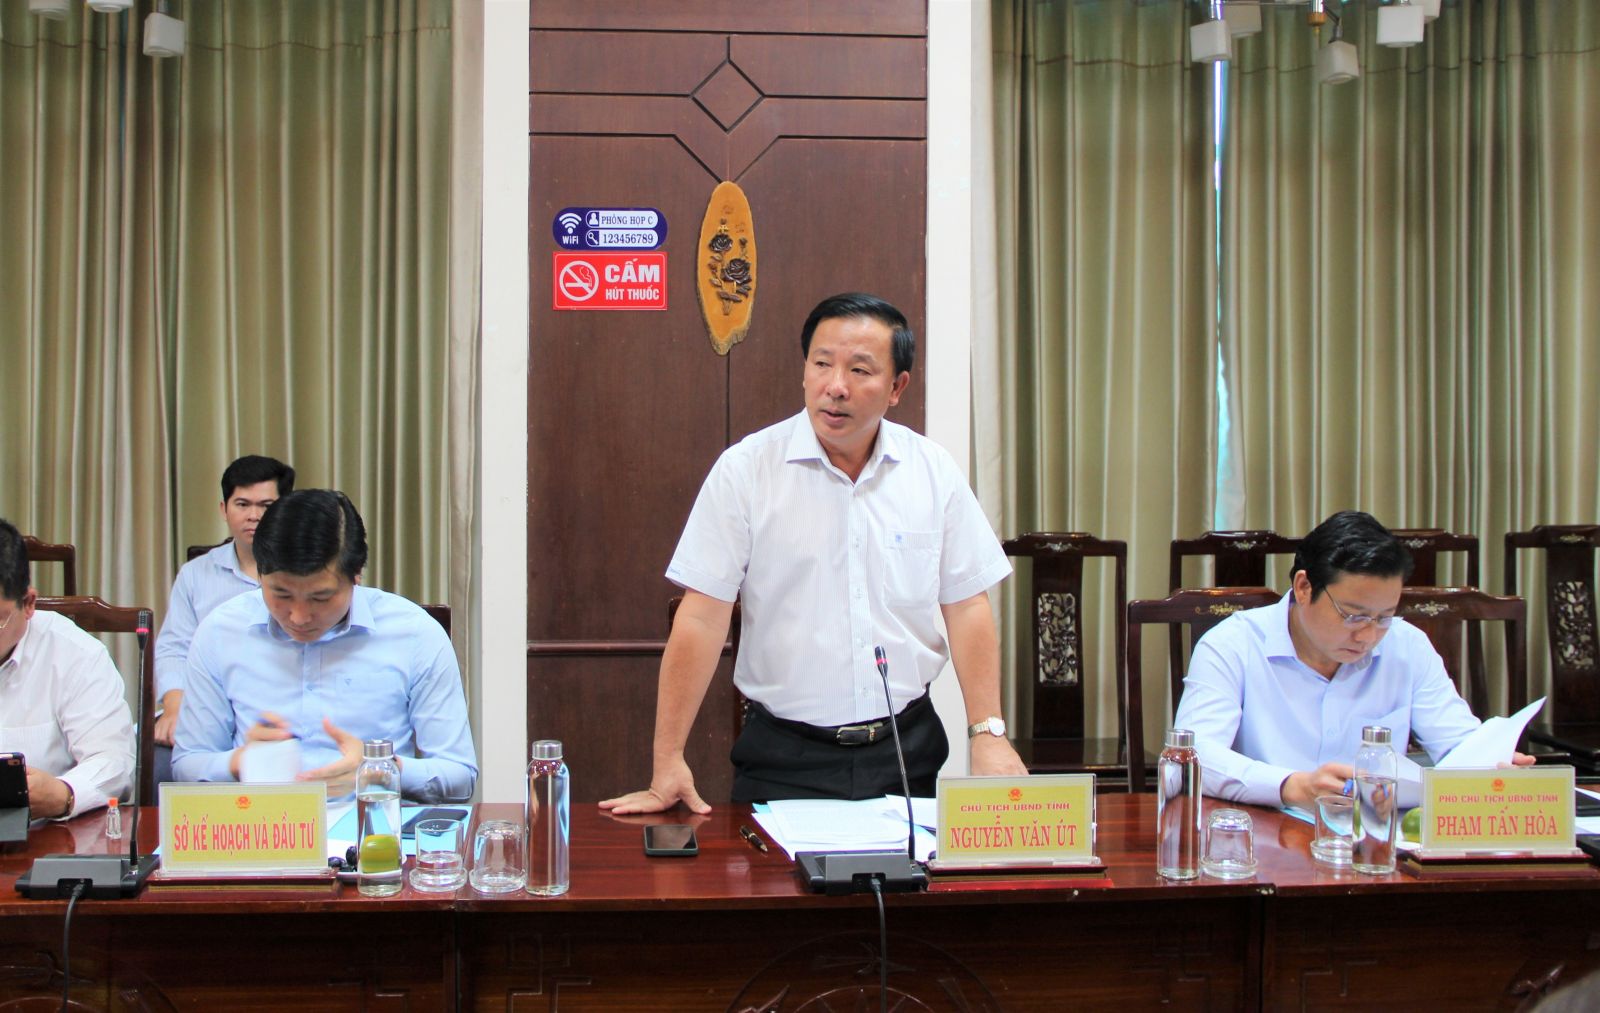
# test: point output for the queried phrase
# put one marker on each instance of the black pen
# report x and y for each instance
(754, 839)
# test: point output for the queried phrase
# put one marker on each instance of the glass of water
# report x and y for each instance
(441, 861)
(499, 861)
(1230, 845)
(1335, 837)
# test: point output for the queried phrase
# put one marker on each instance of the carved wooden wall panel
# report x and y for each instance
(817, 109)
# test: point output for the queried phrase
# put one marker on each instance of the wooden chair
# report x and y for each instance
(1197, 608)
(1455, 612)
(729, 649)
(1055, 740)
(1571, 720)
(440, 614)
(1239, 559)
(95, 616)
(1425, 546)
(196, 551)
(64, 553)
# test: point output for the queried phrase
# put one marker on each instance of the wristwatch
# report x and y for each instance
(993, 726)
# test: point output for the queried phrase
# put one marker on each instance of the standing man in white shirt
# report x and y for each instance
(1276, 696)
(61, 702)
(840, 532)
(249, 485)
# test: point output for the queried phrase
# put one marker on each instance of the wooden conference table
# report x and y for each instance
(731, 930)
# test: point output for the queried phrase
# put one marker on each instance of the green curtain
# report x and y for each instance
(1411, 283)
(1101, 419)
(245, 249)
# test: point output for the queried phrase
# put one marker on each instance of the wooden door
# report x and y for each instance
(817, 108)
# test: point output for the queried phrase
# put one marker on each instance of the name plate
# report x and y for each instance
(1527, 811)
(239, 829)
(999, 822)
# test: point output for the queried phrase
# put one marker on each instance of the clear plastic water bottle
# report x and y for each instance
(1379, 817)
(1178, 807)
(549, 820)
(378, 820)
(113, 819)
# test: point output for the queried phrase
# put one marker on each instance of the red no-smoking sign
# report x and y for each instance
(609, 281)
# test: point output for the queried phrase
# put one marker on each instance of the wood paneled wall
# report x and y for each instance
(817, 108)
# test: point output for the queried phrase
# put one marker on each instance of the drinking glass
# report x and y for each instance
(499, 861)
(441, 865)
(1335, 830)
(1230, 847)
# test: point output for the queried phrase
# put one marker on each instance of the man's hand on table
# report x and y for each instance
(993, 756)
(673, 783)
(49, 798)
(1301, 788)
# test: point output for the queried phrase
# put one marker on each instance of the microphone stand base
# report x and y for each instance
(845, 872)
(109, 876)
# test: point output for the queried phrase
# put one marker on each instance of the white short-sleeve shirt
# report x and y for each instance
(826, 569)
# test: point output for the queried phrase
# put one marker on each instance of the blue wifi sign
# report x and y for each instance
(609, 228)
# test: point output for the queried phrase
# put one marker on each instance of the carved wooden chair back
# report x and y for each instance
(64, 553)
(1059, 682)
(1239, 559)
(1194, 609)
(1570, 626)
(1452, 614)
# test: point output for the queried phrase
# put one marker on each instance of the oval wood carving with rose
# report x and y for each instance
(727, 273)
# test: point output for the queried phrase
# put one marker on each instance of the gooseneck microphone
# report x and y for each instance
(899, 755)
(841, 872)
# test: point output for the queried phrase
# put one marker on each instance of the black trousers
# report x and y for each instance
(774, 758)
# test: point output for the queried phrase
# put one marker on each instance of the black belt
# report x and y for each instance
(861, 734)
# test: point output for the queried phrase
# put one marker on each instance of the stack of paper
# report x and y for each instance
(831, 825)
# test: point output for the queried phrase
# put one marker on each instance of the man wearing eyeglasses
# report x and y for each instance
(61, 703)
(1277, 696)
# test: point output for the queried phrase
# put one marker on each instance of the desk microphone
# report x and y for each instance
(842, 872)
(103, 877)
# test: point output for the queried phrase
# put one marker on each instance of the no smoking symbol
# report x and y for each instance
(578, 281)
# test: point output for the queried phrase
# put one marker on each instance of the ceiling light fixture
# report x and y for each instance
(163, 35)
(1400, 24)
(1209, 41)
(55, 10)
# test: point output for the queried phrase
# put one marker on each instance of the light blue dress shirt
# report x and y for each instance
(203, 583)
(1259, 713)
(386, 671)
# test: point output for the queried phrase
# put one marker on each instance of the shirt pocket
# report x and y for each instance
(911, 567)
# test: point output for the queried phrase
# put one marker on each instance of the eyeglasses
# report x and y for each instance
(1357, 620)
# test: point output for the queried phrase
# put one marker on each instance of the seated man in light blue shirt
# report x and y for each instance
(318, 658)
(249, 485)
(1277, 696)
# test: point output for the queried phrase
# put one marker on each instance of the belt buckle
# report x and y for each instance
(857, 735)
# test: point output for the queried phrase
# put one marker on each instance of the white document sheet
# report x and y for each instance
(1492, 742)
(797, 825)
(270, 762)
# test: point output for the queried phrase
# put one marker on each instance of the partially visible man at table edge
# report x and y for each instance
(61, 699)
